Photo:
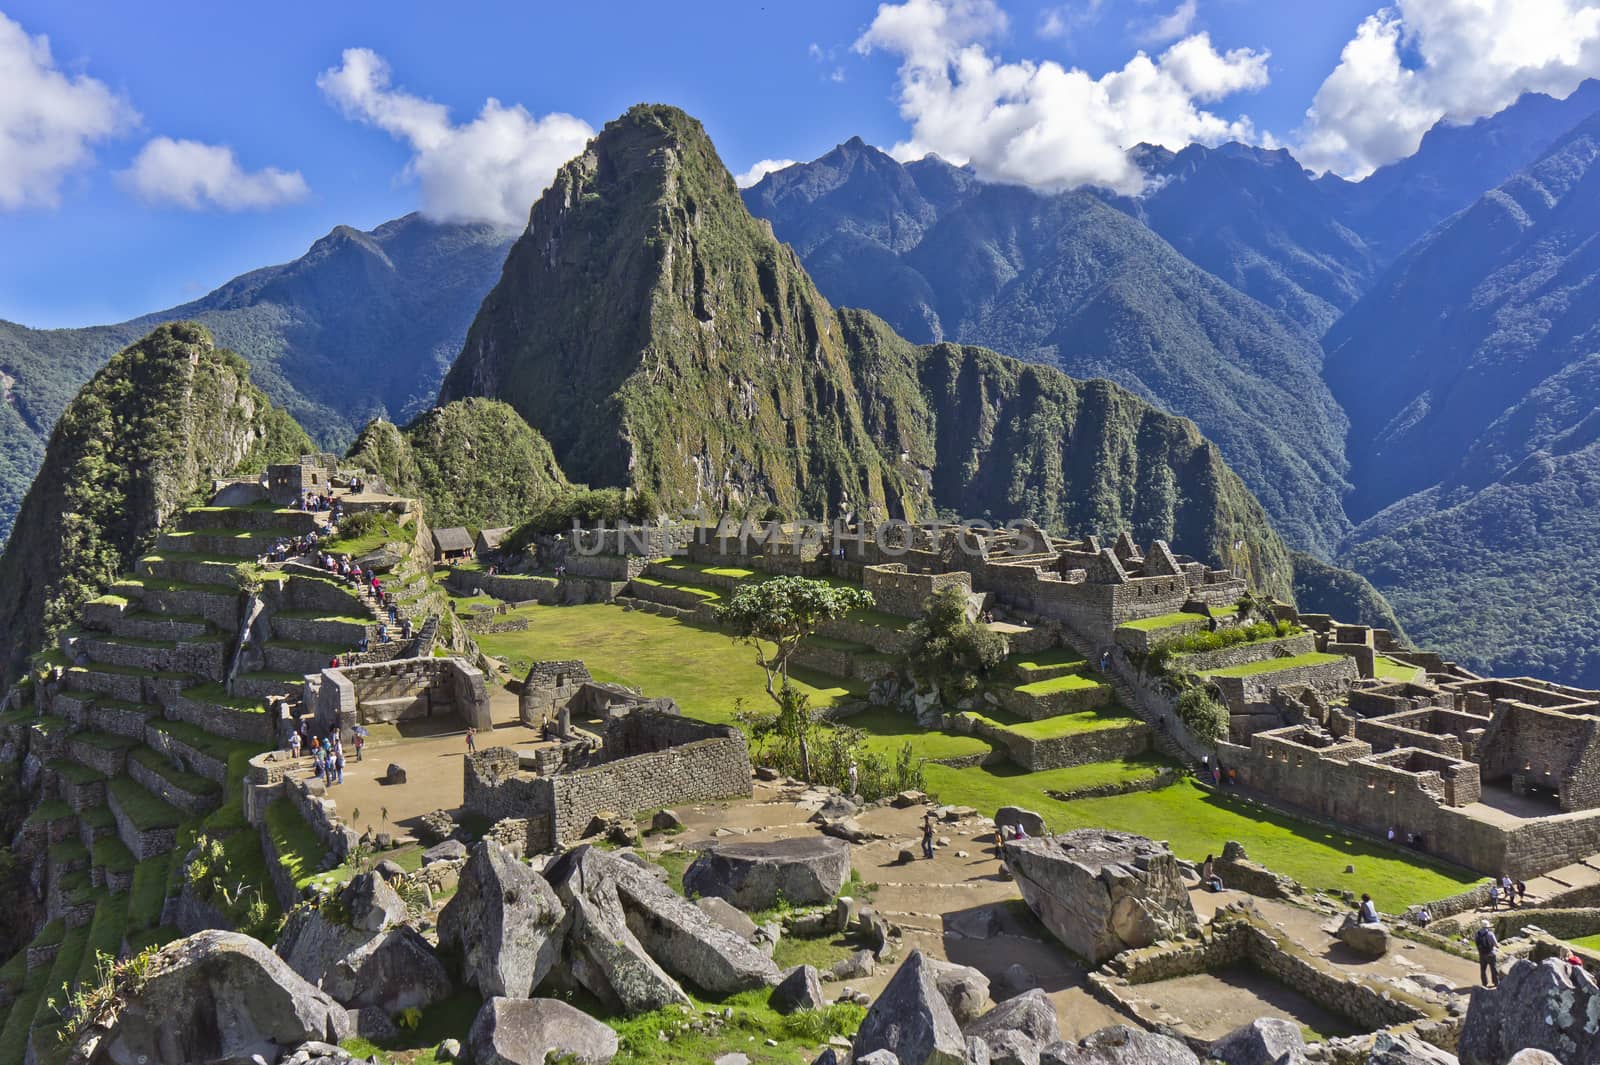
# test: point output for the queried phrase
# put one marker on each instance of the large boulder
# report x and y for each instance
(1264, 1041)
(1030, 1017)
(531, 1031)
(220, 995)
(1533, 1057)
(354, 948)
(1368, 940)
(1548, 1005)
(801, 989)
(911, 1020)
(728, 916)
(1119, 1045)
(602, 955)
(964, 989)
(1406, 1049)
(686, 942)
(1013, 816)
(1101, 892)
(754, 875)
(504, 921)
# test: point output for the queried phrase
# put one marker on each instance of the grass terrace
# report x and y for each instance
(1172, 621)
(1048, 661)
(1050, 728)
(1067, 682)
(888, 730)
(142, 808)
(1272, 665)
(1386, 668)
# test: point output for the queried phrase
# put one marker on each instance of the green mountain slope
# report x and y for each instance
(145, 436)
(1070, 281)
(1472, 374)
(660, 337)
(363, 325)
(473, 462)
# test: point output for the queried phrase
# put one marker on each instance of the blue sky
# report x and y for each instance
(152, 95)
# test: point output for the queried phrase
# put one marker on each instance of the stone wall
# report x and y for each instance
(1241, 693)
(397, 691)
(512, 588)
(1036, 707)
(1078, 748)
(653, 760)
(1242, 653)
(896, 590)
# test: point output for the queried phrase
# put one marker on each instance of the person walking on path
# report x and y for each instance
(927, 837)
(361, 742)
(1486, 944)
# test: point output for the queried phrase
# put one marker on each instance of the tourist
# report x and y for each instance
(316, 763)
(405, 628)
(472, 740)
(1488, 973)
(1392, 833)
(1105, 660)
(334, 662)
(294, 745)
(927, 836)
(855, 778)
(1494, 894)
(361, 742)
(1522, 893)
(361, 644)
(1508, 888)
(1232, 777)
(1208, 875)
(1367, 913)
(1423, 917)
(338, 767)
(1573, 960)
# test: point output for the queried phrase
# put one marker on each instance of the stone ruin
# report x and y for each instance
(554, 694)
(397, 692)
(1102, 892)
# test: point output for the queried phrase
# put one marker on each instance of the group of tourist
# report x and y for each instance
(320, 503)
(1513, 892)
(1411, 839)
(1218, 776)
(292, 547)
(327, 752)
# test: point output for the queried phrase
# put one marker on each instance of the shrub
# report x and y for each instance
(948, 649)
(1160, 656)
(1203, 714)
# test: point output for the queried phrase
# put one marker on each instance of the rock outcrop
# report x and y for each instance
(964, 989)
(1369, 940)
(355, 948)
(219, 995)
(505, 921)
(1017, 1028)
(1119, 1045)
(1102, 892)
(754, 875)
(1406, 1049)
(911, 1020)
(801, 989)
(1549, 1005)
(1264, 1041)
(531, 1031)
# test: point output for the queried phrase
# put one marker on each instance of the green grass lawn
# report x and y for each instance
(1053, 658)
(1272, 665)
(142, 808)
(1198, 822)
(299, 851)
(1069, 682)
(1049, 728)
(704, 670)
(1172, 621)
(888, 731)
(388, 529)
(1587, 942)
(1388, 669)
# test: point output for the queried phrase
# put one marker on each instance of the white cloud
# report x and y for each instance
(1042, 124)
(1411, 65)
(1065, 19)
(1171, 26)
(490, 169)
(761, 170)
(48, 120)
(195, 175)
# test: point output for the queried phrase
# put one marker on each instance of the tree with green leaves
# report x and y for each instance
(775, 617)
(950, 650)
(1204, 714)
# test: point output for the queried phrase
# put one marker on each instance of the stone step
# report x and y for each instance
(188, 566)
(201, 657)
(266, 685)
(232, 717)
(220, 543)
(217, 604)
(301, 658)
(123, 683)
(141, 625)
(102, 752)
(195, 795)
(80, 787)
(146, 824)
(325, 630)
(281, 521)
(119, 718)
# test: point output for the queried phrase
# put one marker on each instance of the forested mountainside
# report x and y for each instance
(144, 437)
(1068, 281)
(473, 462)
(363, 325)
(1472, 377)
(730, 380)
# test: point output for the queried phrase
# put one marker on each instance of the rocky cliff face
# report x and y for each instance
(661, 337)
(144, 437)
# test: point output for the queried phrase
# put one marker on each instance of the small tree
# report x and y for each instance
(950, 650)
(1204, 715)
(775, 617)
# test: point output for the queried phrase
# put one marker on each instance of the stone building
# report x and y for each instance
(395, 692)
(451, 544)
(559, 693)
